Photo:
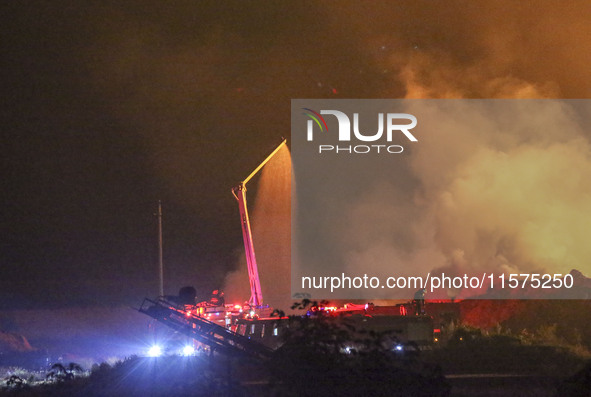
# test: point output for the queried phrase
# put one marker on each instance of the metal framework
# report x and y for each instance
(239, 192)
(215, 336)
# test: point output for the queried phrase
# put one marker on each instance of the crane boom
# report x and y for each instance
(239, 192)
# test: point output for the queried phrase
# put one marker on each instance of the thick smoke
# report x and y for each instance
(508, 197)
(195, 82)
(475, 49)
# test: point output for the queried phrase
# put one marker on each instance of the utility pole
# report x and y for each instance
(160, 264)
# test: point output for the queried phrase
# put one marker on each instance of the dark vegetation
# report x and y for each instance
(321, 357)
(326, 356)
(470, 350)
(571, 319)
(548, 337)
(135, 376)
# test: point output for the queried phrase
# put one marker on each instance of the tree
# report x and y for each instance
(16, 382)
(60, 373)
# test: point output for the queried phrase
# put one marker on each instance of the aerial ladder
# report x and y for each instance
(193, 325)
(239, 192)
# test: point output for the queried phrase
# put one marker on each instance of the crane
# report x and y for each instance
(239, 192)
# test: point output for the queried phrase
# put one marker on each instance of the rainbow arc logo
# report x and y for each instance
(318, 119)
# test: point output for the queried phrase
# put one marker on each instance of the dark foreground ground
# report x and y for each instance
(222, 376)
(505, 368)
(476, 385)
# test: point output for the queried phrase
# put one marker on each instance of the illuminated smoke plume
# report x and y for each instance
(508, 197)
(503, 198)
(491, 191)
(271, 227)
(510, 200)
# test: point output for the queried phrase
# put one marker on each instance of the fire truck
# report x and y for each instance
(251, 328)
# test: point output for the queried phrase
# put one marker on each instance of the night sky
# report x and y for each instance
(108, 107)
